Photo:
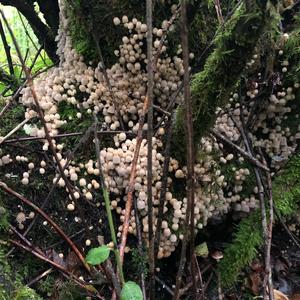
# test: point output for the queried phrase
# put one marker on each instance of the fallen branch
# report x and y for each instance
(238, 149)
(19, 126)
(189, 226)
(82, 284)
(65, 135)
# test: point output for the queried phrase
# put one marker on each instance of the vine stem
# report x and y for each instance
(107, 207)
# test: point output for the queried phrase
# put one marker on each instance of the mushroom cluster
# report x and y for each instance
(117, 95)
(5, 160)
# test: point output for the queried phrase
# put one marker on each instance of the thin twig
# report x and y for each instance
(200, 278)
(269, 239)
(19, 126)
(278, 216)
(139, 137)
(7, 50)
(39, 110)
(266, 235)
(219, 12)
(108, 206)
(39, 277)
(164, 184)
(189, 218)
(130, 190)
(241, 151)
(140, 246)
(30, 38)
(8, 190)
(164, 285)
(67, 135)
(79, 282)
(150, 87)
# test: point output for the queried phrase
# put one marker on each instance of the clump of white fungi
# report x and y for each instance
(86, 88)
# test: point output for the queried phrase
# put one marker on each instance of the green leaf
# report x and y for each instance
(202, 250)
(131, 291)
(98, 255)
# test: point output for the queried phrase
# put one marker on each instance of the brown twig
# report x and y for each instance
(269, 239)
(8, 190)
(241, 151)
(266, 234)
(219, 12)
(130, 190)
(164, 184)
(164, 285)
(140, 246)
(150, 87)
(200, 278)
(79, 282)
(7, 50)
(39, 277)
(189, 218)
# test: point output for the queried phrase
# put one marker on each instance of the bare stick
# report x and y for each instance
(200, 278)
(39, 277)
(8, 190)
(4, 109)
(269, 240)
(189, 218)
(140, 245)
(130, 191)
(266, 235)
(291, 235)
(7, 50)
(164, 286)
(66, 135)
(248, 156)
(19, 126)
(219, 12)
(150, 75)
(164, 184)
(33, 251)
(108, 207)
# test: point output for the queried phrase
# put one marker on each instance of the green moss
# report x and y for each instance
(70, 291)
(95, 18)
(248, 237)
(3, 217)
(286, 188)
(292, 53)
(11, 118)
(223, 69)
(242, 250)
(26, 293)
(11, 287)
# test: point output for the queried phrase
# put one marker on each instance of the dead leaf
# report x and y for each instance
(255, 282)
(295, 297)
(279, 295)
(53, 255)
(72, 261)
